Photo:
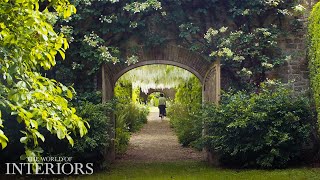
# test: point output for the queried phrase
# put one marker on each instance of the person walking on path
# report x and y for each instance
(162, 106)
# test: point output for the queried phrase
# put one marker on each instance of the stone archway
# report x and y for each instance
(207, 72)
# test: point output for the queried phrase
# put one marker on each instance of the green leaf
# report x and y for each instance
(40, 136)
(60, 134)
(49, 126)
(69, 94)
(24, 140)
(62, 54)
(70, 140)
(3, 139)
(65, 44)
(38, 150)
(3, 143)
(34, 124)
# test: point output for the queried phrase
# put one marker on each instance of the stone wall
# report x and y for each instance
(295, 69)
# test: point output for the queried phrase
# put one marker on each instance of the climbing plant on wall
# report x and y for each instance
(156, 77)
(95, 35)
(314, 54)
(242, 33)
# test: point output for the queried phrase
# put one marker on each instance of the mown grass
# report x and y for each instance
(196, 171)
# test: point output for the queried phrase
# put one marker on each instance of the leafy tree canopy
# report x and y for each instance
(28, 43)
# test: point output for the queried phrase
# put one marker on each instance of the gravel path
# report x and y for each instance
(156, 142)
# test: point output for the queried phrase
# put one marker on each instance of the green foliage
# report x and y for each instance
(136, 95)
(29, 43)
(107, 23)
(123, 92)
(184, 112)
(90, 148)
(189, 93)
(242, 33)
(187, 125)
(97, 139)
(130, 117)
(314, 54)
(122, 140)
(153, 98)
(265, 129)
(248, 55)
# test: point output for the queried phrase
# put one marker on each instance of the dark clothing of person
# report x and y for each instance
(162, 110)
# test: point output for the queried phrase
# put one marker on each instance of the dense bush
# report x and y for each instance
(130, 117)
(189, 93)
(98, 139)
(265, 129)
(123, 92)
(89, 148)
(314, 54)
(187, 125)
(185, 111)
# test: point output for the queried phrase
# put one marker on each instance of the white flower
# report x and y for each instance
(299, 8)
(223, 29)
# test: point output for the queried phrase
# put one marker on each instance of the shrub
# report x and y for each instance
(265, 129)
(129, 118)
(184, 113)
(121, 140)
(98, 115)
(187, 125)
(89, 148)
(314, 54)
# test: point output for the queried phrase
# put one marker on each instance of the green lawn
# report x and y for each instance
(197, 171)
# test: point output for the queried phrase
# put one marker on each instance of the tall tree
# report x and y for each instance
(28, 43)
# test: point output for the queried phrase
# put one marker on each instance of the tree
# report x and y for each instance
(28, 43)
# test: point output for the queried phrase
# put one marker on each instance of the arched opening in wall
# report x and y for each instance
(138, 92)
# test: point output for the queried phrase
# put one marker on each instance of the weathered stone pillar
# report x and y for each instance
(107, 94)
(211, 93)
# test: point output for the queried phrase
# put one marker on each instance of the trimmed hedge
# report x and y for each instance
(314, 54)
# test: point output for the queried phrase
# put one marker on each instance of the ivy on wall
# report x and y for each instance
(314, 54)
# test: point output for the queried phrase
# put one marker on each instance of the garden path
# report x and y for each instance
(156, 142)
